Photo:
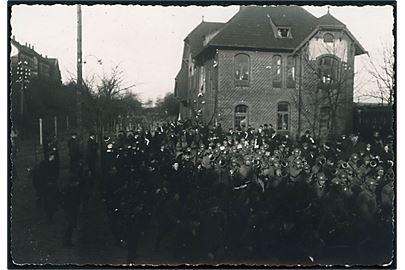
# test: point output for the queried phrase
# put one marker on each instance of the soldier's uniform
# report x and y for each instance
(49, 174)
(74, 151)
(91, 155)
(71, 205)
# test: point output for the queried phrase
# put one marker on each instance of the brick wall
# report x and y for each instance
(259, 95)
(262, 98)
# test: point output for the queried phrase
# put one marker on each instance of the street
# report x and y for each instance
(33, 241)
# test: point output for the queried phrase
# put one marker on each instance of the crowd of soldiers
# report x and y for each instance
(223, 196)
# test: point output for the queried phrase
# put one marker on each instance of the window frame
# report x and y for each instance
(284, 115)
(280, 28)
(277, 67)
(291, 66)
(328, 74)
(241, 67)
(324, 117)
(328, 40)
(237, 114)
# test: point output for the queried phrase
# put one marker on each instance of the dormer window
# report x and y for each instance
(283, 32)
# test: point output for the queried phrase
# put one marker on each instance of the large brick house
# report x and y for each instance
(260, 66)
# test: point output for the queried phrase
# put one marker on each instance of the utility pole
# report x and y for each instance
(79, 70)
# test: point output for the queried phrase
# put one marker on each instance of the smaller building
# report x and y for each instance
(38, 65)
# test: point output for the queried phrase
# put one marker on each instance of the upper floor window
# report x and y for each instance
(328, 69)
(283, 115)
(242, 67)
(277, 75)
(290, 72)
(283, 32)
(202, 80)
(328, 37)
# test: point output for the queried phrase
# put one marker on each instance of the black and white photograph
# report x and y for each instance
(186, 134)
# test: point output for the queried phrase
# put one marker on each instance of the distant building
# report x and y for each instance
(40, 66)
(260, 66)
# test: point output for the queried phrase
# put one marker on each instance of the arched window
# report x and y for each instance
(242, 68)
(241, 116)
(283, 116)
(277, 75)
(328, 69)
(328, 37)
(290, 72)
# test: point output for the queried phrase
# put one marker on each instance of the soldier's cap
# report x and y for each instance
(379, 168)
(342, 175)
(354, 156)
(321, 177)
(370, 181)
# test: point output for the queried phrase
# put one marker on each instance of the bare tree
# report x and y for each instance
(325, 90)
(381, 70)
(107, 93)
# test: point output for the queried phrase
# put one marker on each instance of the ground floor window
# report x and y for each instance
(241, 116)
(324, 118)
(283, 116)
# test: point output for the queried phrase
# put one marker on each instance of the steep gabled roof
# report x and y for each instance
(196, 38)
(254, 27)
(25, 49)
(329, 20)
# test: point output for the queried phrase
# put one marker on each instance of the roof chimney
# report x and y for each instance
(13, 37)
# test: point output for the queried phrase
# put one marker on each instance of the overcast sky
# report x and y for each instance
(147, 42)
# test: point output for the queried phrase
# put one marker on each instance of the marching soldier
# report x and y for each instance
(91, 155)
(71, 201)
(49, 174)
(74, 151)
